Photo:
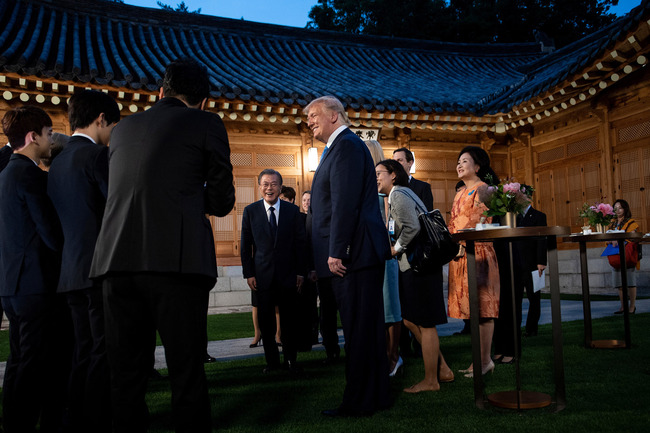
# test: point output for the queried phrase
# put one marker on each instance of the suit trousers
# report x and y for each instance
(89, 385)
(504, 342)
(31, 391)
(360, 299)
(524, 280)
(266, 302)
(135, 305)
(328, 317)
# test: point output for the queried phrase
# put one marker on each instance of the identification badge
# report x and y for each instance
(391, 227)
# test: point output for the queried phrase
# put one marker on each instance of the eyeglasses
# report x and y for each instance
(380, 172)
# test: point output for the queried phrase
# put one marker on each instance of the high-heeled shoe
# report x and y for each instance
(255, 344)
(467, 370)
(398, 364)
(487, 369)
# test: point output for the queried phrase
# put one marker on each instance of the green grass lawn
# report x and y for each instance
(606, 390)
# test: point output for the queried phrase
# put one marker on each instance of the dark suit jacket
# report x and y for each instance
(30, 234)
(530, 253)
(346, 222)
(78, 184)
(5, 154)
(270, 260)
(423, 191)
(168, 167)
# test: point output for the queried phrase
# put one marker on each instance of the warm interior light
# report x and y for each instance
(312, 158)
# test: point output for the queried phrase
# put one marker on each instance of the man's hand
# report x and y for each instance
(299, 280)
(393, 253)
(336, 266)
(312, 276)
(540, 269)
(252, 283)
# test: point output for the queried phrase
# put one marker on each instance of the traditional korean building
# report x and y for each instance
(573, 122)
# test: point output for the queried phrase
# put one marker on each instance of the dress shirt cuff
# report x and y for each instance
(398, 247)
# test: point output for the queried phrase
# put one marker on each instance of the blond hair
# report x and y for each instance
(376, 151)
(330, 103)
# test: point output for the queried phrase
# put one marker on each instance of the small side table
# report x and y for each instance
(516, 399)
(586, 303)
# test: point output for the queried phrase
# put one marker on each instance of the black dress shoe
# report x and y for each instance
(209, 359)
(293, 367)
(531, 334)
(270, 368)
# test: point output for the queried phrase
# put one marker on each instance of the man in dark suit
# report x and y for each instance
(273, 253)
(78, 184)
(530, 256)
(168, 167)
(29, 270)
(422, 189)
(350, 249)
(5, 154)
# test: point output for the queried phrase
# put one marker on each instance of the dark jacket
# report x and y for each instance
(168, 167)
(30, 234)
(423, 191)
(346, 222)
(531, 252)
(78, 184)
(271, 260)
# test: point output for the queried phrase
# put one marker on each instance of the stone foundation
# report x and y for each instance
(232, 292)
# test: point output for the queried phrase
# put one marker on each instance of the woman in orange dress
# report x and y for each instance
(472, 168)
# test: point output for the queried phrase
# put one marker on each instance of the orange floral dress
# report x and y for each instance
(466, 212)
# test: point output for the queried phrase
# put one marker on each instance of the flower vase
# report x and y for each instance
(600, 228)
(509, 219)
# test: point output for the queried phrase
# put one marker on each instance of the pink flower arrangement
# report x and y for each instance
(598, 213)
(513, 187)
(505, 197)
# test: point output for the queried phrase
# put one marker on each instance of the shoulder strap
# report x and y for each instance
(417, 205)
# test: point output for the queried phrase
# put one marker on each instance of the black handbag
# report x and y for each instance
(433, 246)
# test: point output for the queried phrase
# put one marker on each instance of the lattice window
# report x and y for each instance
(241, 159)
(575, 189)
(268, 160)
(550, 155)
(520, 163)
(560, 193)
(450, 165)
(589, 144)
(245, 191)
(223, 228)
(592, 181)
(436, 165)
(499, 165)
(293, 183)
(634, 132)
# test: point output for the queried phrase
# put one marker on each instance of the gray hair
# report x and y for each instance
(270, 172)
(330, 103)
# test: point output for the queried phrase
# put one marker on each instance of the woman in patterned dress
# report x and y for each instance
(473, 168)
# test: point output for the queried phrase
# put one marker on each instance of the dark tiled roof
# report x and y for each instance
(127, 47)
